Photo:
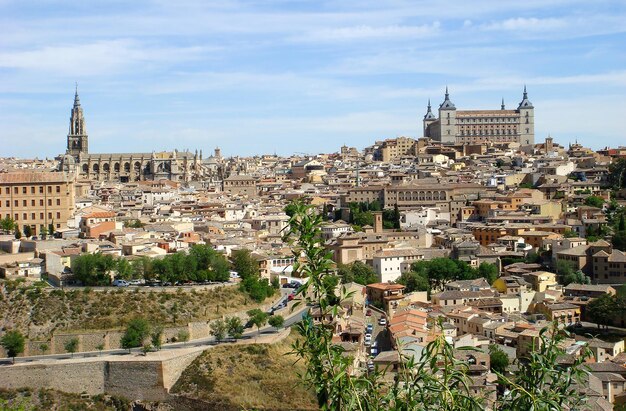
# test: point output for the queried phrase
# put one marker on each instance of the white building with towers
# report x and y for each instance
(481, 126)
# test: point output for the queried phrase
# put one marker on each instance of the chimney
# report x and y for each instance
(378, 221)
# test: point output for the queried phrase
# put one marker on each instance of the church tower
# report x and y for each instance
(77, 140)
(447, 120)
(527, 120)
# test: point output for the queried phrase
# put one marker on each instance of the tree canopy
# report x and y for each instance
(13, 342)
(357, 272)
(136, 332)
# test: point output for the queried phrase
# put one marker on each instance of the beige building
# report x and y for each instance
(37, 199)
(241, 185)
(395, 148)
(478, 126)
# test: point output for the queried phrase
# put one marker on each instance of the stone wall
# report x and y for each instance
(75, 377)
(138, 378)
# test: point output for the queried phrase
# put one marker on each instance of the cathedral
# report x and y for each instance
(480, 126)
(183, 166)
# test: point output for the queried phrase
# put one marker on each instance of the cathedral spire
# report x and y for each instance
(502, 105)
(76, 98)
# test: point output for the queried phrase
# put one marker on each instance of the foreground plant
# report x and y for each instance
(434, 381)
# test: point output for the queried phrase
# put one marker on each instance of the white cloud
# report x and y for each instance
(523, 24)
(366, 32)
(101, 57)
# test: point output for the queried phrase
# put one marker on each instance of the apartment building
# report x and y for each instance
(37, 199)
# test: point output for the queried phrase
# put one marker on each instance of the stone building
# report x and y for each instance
(37, 199)
(124, 167)
(478, 126)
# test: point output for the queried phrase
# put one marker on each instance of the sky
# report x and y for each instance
(258, 77)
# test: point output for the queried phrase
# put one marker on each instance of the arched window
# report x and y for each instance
(85, 168)
(116, 167)
(127, 167)
(96, 168)
(106, 168)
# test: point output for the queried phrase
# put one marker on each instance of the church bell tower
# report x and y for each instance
(77, 140)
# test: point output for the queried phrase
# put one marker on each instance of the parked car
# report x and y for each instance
(368, 312)
(382, 321)
(370, 366)
(135, 282)
(120, 283)
(368, 339)
(291, 297)
(373, 351)
(369, 328)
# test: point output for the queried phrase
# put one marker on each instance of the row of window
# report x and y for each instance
(33, 216)
(16, 203)
(16, 190)
(488, 120)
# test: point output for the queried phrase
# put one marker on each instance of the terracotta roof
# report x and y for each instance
(101, 214)
(33, 177)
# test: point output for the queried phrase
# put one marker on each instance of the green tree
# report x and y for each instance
(43, 348)
(619, 240)
(93, 269)
(218, 329)
(414, 281)
(488, 271)
(136, 332)
(123, 269)
(43, 231)
(18, 233)
(357, 272)
(182, 336)
(13, 342)
(234, 327)
(28, 231)
(7, 224)
(570, 234)
(276, 321)
(594, 201)
(51, 229)
(396, 216)
(564, 269)
(602, 309)
(290, 209)
(71, 346)
(576, 277)
(616, 177)
(498, 359)
(621, 225)
(156, 337)
(245, 265)
(258, 318)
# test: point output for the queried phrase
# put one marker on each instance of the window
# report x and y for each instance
(50, 216)
(32, 203)
(49, 202)
(25, 216)
(41, 203)
(58, 201)
(16, 190)
(8, 203)
(49, 189)
(24, 203)
(40, 189)
(32, 216)
(16, 202)
(32, 190)
(41, 216)
(23, 190)
(58, 189)
(58, 215)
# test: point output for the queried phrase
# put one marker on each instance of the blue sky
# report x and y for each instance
(270, 76)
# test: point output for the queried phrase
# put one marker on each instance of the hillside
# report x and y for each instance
(260, 376)
(51, 400)
(38, 311)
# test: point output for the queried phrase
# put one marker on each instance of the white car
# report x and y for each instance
(120, 283)
(368, 339)
(382, 322)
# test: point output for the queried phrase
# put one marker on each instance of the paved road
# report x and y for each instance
(290, 320)
(379, 333)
